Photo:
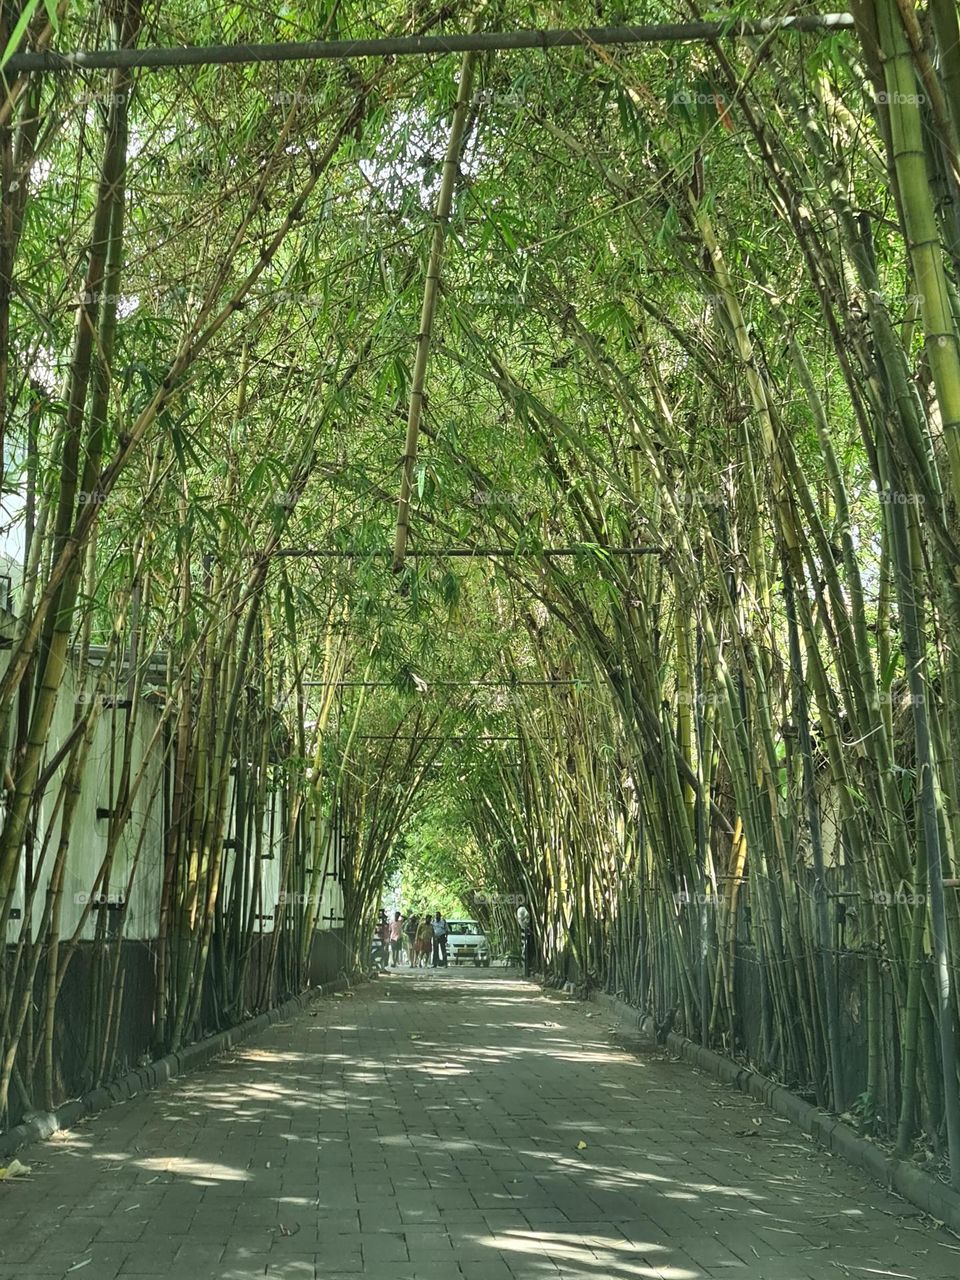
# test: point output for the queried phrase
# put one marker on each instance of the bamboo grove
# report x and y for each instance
(664, 343)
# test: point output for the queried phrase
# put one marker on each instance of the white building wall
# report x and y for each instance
(142, 838)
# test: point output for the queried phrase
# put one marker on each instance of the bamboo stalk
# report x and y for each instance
(431, 288)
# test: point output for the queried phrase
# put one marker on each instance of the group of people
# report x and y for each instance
(426, 940)
(414, 938)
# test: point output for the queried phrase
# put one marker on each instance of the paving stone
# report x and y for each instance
(193, 1256)
(387, 1247)
(292, 1269)
(117, 1230)
(13, 1252)
(140, 1261)
(492, 1268)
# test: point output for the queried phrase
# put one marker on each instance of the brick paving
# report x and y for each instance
(427, 1127)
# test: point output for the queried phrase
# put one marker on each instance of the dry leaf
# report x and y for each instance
(581, 1145)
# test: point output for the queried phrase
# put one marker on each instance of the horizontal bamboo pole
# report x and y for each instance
(435, 737)
(419, 46)
(440, 553)
(444, 684)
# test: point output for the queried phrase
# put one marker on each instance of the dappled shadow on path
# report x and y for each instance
(458, 1124)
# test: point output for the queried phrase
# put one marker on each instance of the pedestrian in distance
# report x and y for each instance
(424, 941)
(526, 939)
(411, 925)
(381, 940)
(440, 931)
(396, 938)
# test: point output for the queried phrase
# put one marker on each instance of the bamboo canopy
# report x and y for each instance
(470, 462)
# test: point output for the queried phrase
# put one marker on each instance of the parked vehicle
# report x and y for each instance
(467, 941)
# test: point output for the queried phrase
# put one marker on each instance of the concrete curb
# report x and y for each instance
(926, 1192)
(42, 1125)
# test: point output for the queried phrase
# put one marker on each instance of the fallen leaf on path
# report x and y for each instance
(581, 1145)
(14, 1170)
(77, 1265)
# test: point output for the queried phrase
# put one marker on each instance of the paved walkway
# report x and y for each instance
(432, 1127)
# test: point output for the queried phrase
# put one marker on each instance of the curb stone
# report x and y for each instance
(926, 1192)
(42, 1125)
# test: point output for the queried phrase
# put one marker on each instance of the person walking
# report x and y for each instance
(526, 938)
(440, 931)
(396, 938)
(410, 929)
(382, 939)
(424, 941)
